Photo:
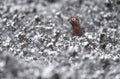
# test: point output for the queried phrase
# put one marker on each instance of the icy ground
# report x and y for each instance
(35, 40)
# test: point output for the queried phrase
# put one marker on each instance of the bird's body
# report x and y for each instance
(76, 31)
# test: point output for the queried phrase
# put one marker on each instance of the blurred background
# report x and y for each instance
(36, 41)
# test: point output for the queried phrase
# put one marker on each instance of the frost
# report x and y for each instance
(48, 72)
(38, 34)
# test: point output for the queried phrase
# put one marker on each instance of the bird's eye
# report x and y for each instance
(73, 19)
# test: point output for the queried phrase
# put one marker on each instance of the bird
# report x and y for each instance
(76, 29)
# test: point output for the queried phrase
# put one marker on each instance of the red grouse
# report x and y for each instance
(76, 28)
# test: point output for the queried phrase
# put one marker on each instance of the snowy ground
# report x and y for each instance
(35, 40)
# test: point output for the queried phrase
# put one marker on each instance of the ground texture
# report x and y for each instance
(36, 43)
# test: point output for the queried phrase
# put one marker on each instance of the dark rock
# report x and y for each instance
(103, 46)
(104, 30)
(25, 53)
(102, 38)
(97, 23)
(118, 2)
(85, 58)
(34, 58)
(55, 76)
(15, 11)
(80, 1)
(105, 63)
(22, 37)
(39, 77)
(34, 10)
(73, 54)
(30, 1)
(108, 3)
(51, 1)
(117, 60)
(37, 19)
(14, 72)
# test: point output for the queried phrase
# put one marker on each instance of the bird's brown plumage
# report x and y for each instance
(76, 28)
